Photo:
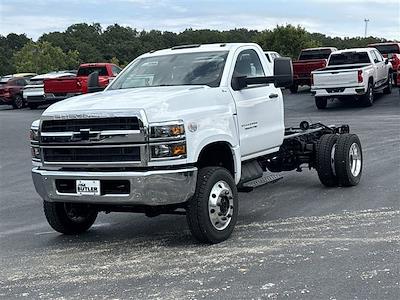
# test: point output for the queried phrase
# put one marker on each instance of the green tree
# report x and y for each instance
(287, 40)
(42, 57)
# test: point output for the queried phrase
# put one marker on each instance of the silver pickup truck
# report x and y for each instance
(352, 73)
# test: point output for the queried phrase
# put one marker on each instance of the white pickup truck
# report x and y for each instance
(356, 73)
(180, 131)
(33, 92)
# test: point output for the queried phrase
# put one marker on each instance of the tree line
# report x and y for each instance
(81, 43)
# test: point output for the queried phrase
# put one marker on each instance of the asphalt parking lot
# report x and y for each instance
(295, 239)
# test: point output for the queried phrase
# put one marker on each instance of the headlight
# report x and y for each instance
(170, 130)
(35, 153)
(168, 151)
(34, 135)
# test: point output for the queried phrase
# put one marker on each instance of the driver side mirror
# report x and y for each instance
(283, 76)
(283, 72)
(93, 84)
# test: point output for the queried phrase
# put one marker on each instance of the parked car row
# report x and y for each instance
(32, 90)
(317, 58)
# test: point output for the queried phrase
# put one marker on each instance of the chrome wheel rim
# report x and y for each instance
(355, 159)
(220, 205)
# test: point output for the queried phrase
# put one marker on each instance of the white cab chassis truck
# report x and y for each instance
(180, 131)
(356, 73)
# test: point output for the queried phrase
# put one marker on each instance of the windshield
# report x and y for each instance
(199, 68)
(315, 54)
(349, 58)
(387, 49)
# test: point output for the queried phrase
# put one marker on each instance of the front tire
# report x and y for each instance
(18, 102)
(348, 160)
(68, 218)
(212, 211)
(321, 102)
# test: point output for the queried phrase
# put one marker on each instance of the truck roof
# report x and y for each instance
(384, 43)
(200, 48)
(320, 48)
(94, 65)
(354, 50)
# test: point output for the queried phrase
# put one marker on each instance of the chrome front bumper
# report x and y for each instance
(152, 188)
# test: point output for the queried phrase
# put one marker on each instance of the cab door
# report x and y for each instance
(259, 107)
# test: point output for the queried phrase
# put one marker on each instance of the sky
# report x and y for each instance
(331, 17)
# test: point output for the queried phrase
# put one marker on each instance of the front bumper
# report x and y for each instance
(158, 187)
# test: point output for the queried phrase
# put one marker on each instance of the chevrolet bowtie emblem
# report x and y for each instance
(86, 135)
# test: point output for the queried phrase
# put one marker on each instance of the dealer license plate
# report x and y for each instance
(88, 187)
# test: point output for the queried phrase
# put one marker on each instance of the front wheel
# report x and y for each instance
(212, 211)
(69, 218)
(18, 102)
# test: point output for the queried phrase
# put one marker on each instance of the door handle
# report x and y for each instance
(271, 96)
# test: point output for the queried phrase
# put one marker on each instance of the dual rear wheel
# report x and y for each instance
(339, 160)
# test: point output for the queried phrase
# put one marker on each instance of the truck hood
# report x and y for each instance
(159, 103)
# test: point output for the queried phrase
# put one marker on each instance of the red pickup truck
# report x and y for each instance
(61, 88)
(309, 60)
(391, 51)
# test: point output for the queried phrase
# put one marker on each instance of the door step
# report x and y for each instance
(265, 179)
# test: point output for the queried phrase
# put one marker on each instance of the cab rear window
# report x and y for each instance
(86, 71)
(315, 54)
(349, 58)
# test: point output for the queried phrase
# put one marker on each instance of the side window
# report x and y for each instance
(378, 56)
(248, 64)
(21, 82)
(115, 70)
(267, 55)
(375, 59)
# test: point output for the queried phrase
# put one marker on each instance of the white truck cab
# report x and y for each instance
(179, 131)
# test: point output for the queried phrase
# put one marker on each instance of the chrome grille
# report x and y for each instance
(98, 141)
(92, 154)
(98, 124)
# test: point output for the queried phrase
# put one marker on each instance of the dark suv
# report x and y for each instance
(11, 91)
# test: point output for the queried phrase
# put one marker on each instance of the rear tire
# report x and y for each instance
(212, 211)
(321, 102)
(368, 98)
(69, 218)
(348, 160)
(294, 88)
(325, 160)
(18, 102)
(388, 89)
